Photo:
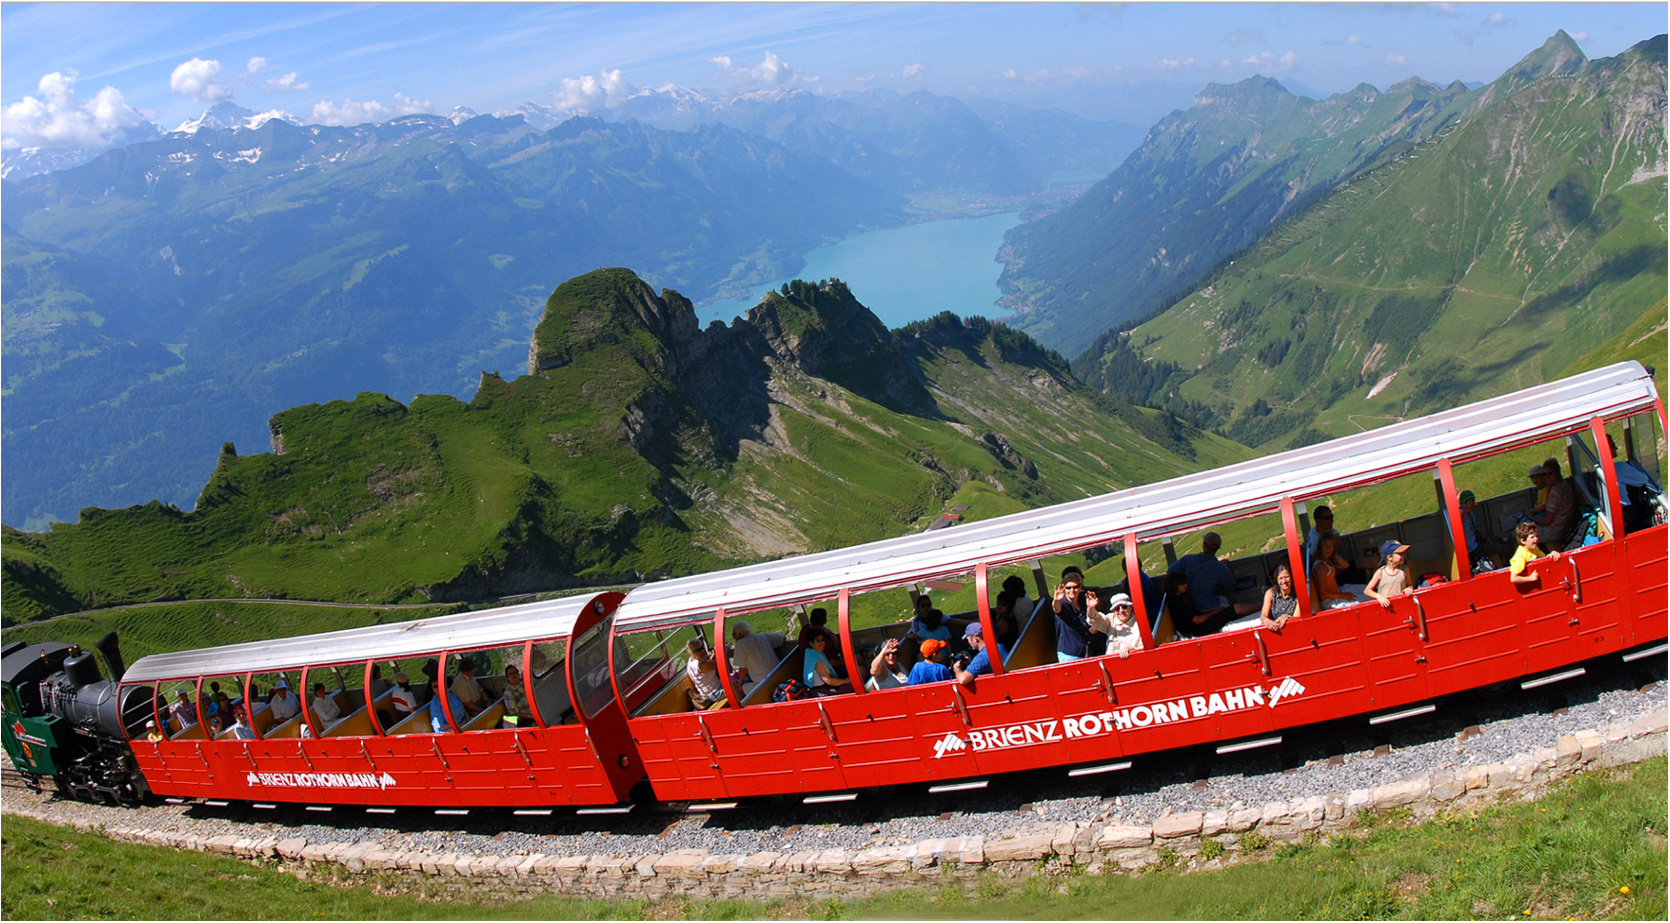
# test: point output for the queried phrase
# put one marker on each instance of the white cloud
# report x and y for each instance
(1268, 61)
(1499, 19)
(608, 88)
(1009, 73)
(1396, 59)
(1243, 36)
(1171, 64)
(59, 119)
(200, 80)
(256, 65)
(1580, 36)
(349, 112)
(770, 72)
(1353, 39)
(912, 70)
(287, 83)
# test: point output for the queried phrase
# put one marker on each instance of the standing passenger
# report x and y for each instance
(1392, 579)
(1072, 628)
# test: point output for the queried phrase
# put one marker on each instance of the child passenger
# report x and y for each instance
(1527, 552)
(1392, 579)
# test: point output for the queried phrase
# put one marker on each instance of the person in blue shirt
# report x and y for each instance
(1071, 603)
(818, 675)
(980, 664)
(437, 717)
(929, 670)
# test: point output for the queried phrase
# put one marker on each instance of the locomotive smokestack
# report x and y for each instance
(112, 652)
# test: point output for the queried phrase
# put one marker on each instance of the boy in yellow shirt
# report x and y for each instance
(1527, 552)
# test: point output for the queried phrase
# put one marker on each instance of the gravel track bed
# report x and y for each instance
(1467, 730)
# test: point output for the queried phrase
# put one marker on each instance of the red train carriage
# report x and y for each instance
(328, 722)
(1237, 688)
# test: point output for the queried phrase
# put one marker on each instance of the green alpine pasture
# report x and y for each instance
(605, 464)
(1592, 848)
(1443, 276)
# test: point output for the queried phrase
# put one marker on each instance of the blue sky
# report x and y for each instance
(73, 71)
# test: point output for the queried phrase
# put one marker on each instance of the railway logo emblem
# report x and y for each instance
(320, 780)
(1050, 730)
(948, 743)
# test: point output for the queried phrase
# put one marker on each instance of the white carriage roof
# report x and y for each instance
(1153, 510)
(483, 628)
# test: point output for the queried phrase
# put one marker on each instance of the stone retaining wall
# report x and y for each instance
(1095, 848)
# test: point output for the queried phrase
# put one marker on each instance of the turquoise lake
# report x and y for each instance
(905, 274)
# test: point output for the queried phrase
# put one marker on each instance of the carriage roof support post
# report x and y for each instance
(370, 695)
(301, 700)
(527, 681)
(1609, 474)
(1138, 597)
(843, 622)
(721, 662)
(1039, 578)
(446, 700)
(1450, 502)
(983, 605)
(1295, 556)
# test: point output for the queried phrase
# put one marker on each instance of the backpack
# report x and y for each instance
(791, 691)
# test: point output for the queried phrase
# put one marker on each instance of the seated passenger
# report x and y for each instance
(283, 705)
(1324, 575)
(1124, 634)
(322, 708)
(1529, 550)
(929, 669)
(404, 697)
(1559, 512)
(966, 669)
(1392, 578)
(885, 670)
(183, 711)
(1003, 620)
(1281, 600)
(1348, 571)
(517, 713)
(1070, 603)
(1209, 579)
(929, 622)
(223, 708)
(152, 734)
(816, 620)
(240, 725)
(756, 654)
(467, 689)
(1636, 490)
(1186, 620)
(378, 684)
(817, 674)
(705, 688)
(1150, 591)
(216, 725)
(437, 714)
(1481, 553)
(1016, 588)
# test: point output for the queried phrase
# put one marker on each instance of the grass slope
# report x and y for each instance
(1483, 261)
(619, 457)
(1592, 848)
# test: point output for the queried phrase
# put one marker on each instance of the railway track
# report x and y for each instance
(1484, 725)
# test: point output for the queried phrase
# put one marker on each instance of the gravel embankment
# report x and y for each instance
(1469, 730)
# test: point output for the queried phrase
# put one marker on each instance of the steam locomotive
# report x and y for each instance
(63, 720)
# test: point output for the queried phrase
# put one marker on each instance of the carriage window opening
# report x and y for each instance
(403, 708)
(225, 708)
(276, 703)
(591, 671)
(1636, 451)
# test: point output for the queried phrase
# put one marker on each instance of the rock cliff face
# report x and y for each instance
(719, 380)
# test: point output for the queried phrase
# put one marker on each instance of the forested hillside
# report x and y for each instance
(636, 443)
